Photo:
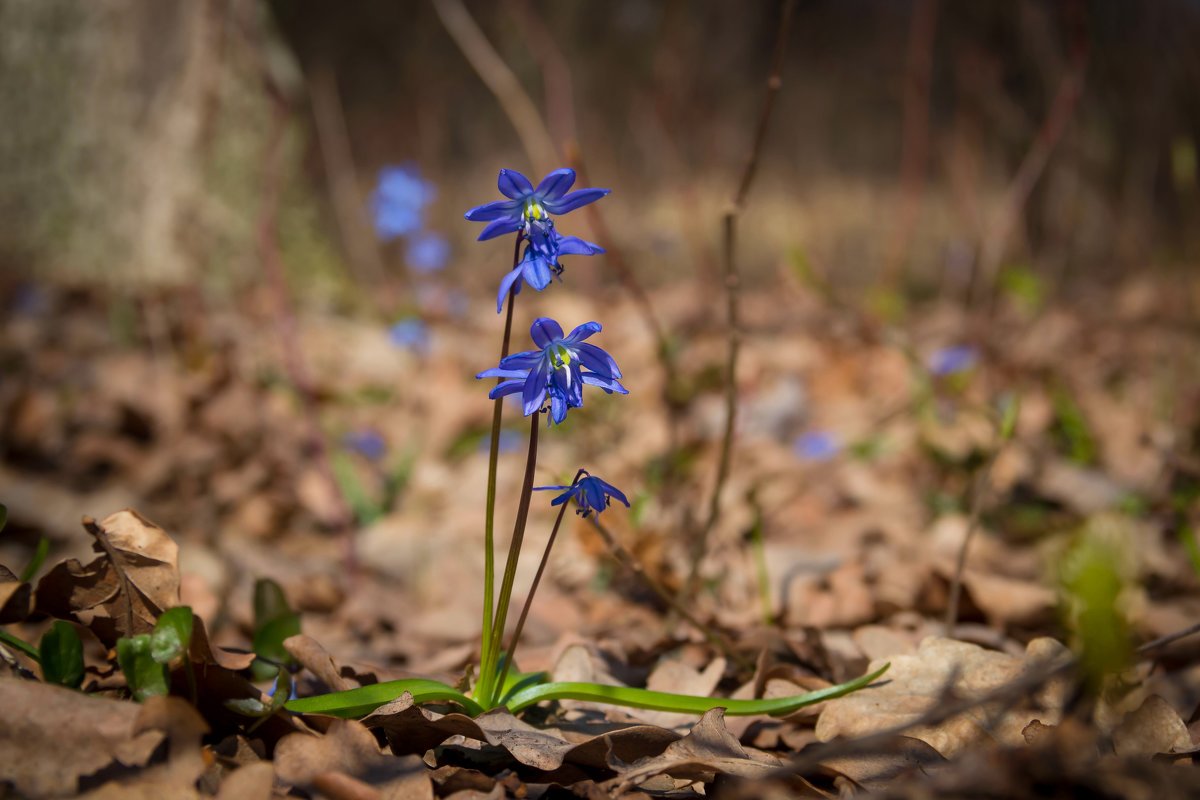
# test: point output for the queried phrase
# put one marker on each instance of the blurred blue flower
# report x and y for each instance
(590, 494)
(526, 204)
(399, 201)
(427, 252)
(367, 443)
(952, 360)
(557, 370)
(411, 334)
(816, 446)
(540, 262)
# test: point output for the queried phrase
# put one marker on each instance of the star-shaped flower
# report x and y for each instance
(525, 204)
(590, 494)
(557, 371)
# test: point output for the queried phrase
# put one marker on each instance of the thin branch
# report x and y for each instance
(983, 478)
(492, 70)
(732, 283)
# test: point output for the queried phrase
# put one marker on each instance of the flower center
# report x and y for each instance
(560, 356)
(534, 210)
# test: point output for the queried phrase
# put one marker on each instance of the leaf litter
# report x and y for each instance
(859, 550)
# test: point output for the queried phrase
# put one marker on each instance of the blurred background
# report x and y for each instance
(240, 296)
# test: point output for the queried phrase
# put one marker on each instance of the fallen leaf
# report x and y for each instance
(42, 722)
(348, 749)
(15, 597)
(1153, 728)
(876, 770)
(251, 782)
(122, 592)
(313, 657)
(939, 669)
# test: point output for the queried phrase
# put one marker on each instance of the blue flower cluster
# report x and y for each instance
(398, 207)
(590, 493)
(557, 371)
(527, 212)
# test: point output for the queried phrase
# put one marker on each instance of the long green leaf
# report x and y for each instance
(22, 645)
(35, 563)
(365, 699)
(687, 704)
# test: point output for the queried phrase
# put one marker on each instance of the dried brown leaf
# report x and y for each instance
(16, 597)
(316, 659)
(43, 722)
(122, 592)
(1153, 728)
(349, 749)
(941, 668)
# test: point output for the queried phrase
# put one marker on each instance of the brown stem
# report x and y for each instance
(732, 282)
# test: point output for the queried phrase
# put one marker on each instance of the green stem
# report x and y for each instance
(510, 568)
(25, 647)
(484, 684)
(537, 579)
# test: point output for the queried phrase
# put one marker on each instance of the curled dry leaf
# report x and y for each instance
(122, 592)
(41, 722)
(316, 659)
(709, 750)
(1153, 728)
(944, 668)
(413, 729)
(176, 778)
(15, 597)
(348, 751)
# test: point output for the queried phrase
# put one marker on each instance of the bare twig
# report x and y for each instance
(979, 485)
(631, 563)
(915, 147)
(340, 171)
(1033, 165)
(492, 70)
(774, 82)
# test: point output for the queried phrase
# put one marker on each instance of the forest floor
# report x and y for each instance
(866, 454)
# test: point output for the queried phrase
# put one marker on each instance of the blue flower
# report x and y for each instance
(367, 443)
(399, 201)
(427, 252)
(590, 494)
(540, 262)
(557, 370)
(410, 333)
(526, 204)
(953, 360)
(816, 446)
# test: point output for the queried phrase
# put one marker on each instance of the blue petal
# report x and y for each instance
(558, 408)
(534, 393)
(513, 184)
(597, 360)
(526, 360)
(594, 493)
(545, 331)
(505, 287)
(581, 332)
(574, 200)
(494, 210)
(555, 185)
(499, 228)
(537, 272)
(505, 389)
(574, 246)
(609, 387)
(547, 488)
(614, 492)
(499, 372)
(564, 497)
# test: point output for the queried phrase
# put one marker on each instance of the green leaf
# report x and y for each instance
(687, 704)
(269, 601)
(146, 677)
(62, 655)
(172, 635)
(22, 645)
(39, 556)
(268, 640)
(365, 699)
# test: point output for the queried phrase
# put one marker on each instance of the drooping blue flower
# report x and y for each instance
(816, 446)
(589, 493)
(557, 371)
(367, 443)
(540, 262)
(953, 360)
(427, 252)
(398, 202)
(526, 205)
(411, 334)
